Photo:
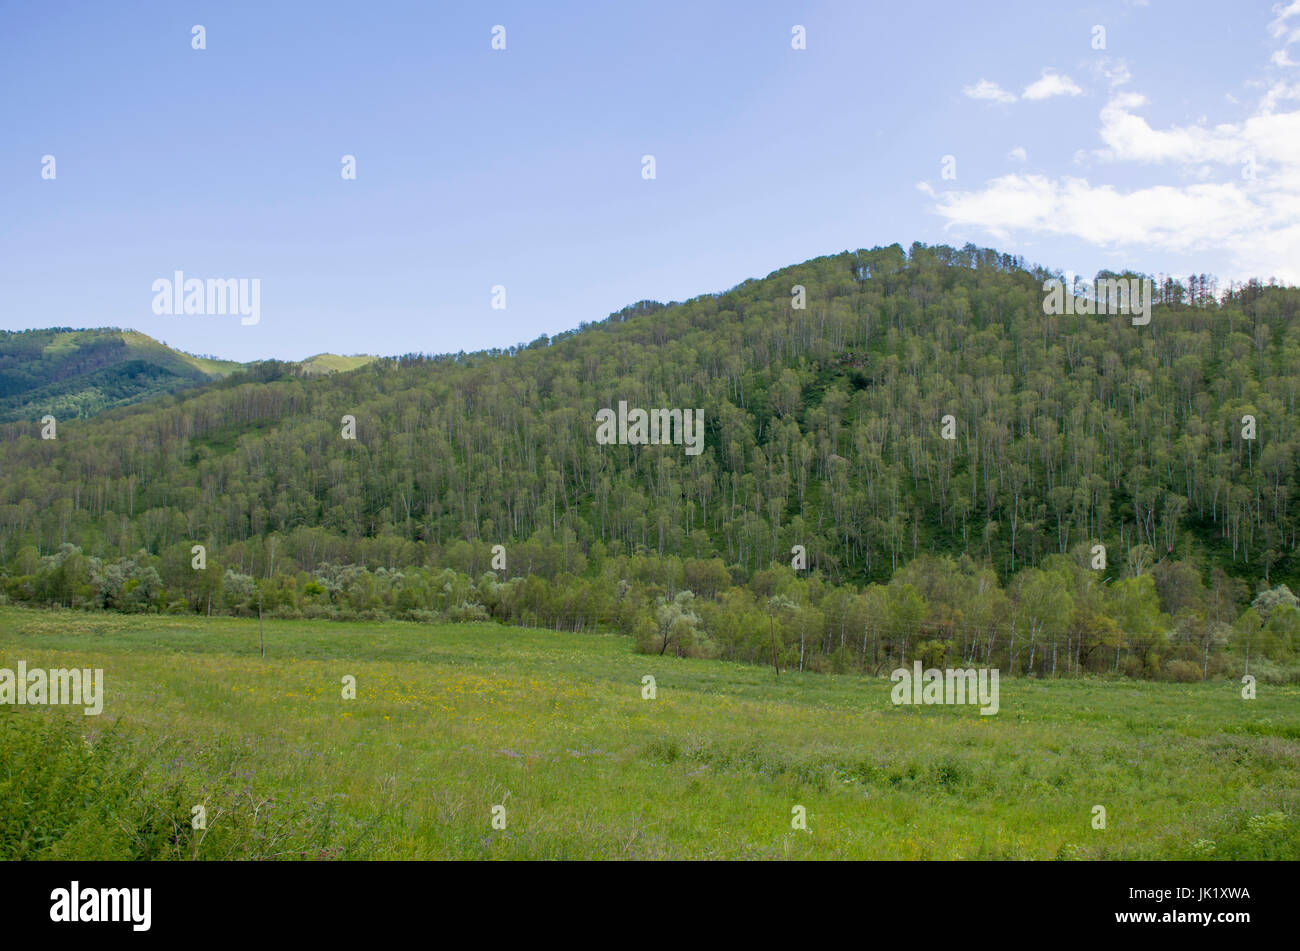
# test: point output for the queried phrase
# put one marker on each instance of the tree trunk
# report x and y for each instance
(772, 627)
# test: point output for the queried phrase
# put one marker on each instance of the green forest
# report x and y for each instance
(1116, 499)
(63, 372)
(78, 373)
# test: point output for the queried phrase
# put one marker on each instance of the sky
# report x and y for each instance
(1161, 136)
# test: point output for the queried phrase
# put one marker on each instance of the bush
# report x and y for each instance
(319, 612)
(64, 795)
(1219, 665)
(421, 616)
(1182, 672)
(646, 636)
(468, 612)
(1271, 672)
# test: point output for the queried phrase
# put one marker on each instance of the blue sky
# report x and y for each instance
(522, 167)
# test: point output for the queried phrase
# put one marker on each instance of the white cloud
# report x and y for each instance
(1018, 154)
(1213, 207)
(1048, 85)
(1276, 93)
(1278, 28)
(1263, 241)
(1051, 84)
(1129, 137)
(986, 89)
(1114, 71)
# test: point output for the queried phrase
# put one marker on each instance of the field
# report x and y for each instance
(451, 720)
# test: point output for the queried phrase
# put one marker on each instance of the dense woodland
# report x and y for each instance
(78, 373)
(823, 429)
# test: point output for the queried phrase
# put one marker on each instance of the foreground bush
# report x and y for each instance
(66, 795)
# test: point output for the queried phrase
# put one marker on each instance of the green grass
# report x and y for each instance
(450, 720)
(334, 363)
(213, 367)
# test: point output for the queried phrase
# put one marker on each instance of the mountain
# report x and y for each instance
(822, 427)
(69, 373)
(998, 477)
(77, 373)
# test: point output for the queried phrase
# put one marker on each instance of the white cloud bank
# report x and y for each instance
(1250, 210)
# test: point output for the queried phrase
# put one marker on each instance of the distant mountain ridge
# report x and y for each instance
(70, 373)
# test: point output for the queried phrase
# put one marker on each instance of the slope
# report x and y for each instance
(823, 428)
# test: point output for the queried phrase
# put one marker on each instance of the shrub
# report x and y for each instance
(64, 795)
(468, 611)
(1181, 671)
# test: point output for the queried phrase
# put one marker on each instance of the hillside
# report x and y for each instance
(77, 373)
(323, 363)
(70, 373)
(823, 427)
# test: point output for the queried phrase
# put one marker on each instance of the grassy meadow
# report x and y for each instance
(452, 719)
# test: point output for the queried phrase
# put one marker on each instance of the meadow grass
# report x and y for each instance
(452, 719)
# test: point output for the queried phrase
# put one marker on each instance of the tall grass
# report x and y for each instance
(450, 720)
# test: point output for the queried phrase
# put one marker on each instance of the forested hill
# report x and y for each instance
(65, 373)
(68, 373)
(823, 428)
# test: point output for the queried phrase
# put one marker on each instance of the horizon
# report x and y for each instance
(1084, 285)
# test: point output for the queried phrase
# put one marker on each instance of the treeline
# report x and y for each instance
(1060, 619)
